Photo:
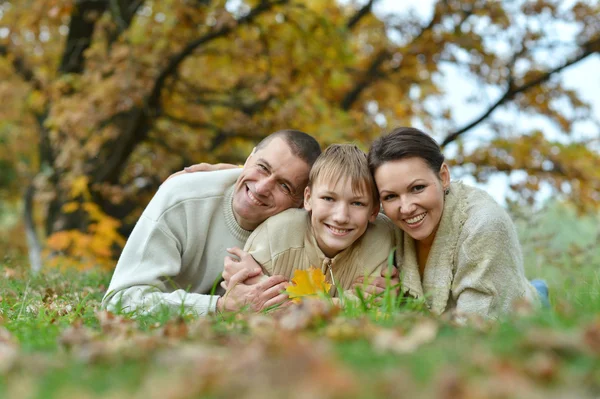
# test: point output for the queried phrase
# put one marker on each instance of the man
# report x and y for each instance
(175, 254)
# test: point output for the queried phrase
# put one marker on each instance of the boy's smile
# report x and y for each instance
(339, 216)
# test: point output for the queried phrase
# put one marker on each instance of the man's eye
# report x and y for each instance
(286, 188)
(262, 167)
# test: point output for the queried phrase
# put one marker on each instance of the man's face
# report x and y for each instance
(272, 181)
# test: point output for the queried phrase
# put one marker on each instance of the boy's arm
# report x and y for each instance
(246, 261)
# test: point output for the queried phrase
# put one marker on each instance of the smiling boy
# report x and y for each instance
(340, 231)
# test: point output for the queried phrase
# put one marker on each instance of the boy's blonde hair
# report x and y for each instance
(341, 161)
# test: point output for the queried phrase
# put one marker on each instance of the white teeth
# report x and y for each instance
(338, 231)
(416, 219)
(253, 198)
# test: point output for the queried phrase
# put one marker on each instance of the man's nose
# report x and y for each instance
(264, 185)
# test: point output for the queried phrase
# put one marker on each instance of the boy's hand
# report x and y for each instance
(232, 265)
(203, 167)
(377, 285)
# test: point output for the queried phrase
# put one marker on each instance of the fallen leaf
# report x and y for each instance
(423, 332)
(305, 283)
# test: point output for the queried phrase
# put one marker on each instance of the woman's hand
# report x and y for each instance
(243, 261)
(377, 285)
(203, 167)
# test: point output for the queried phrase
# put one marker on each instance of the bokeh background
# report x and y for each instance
(101, 100)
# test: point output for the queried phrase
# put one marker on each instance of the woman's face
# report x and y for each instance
(412, 195)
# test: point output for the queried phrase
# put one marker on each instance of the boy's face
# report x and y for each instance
(339, 216)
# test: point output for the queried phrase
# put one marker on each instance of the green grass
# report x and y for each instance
(54, 343)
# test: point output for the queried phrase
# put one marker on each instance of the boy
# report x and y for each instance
(340, 232)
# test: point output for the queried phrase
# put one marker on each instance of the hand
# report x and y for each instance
(256, 297)
(377, 285)
(244, 261)
(203, 167)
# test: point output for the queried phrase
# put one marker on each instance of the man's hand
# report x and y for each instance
(257, 297)
(377, 285)
(203, 167)
(243, 261)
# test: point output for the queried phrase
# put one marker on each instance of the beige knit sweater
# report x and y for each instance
(176, 250)
(285, 242)
(475, 264)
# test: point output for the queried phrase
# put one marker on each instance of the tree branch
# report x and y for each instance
(140, 119)
(362, 12)
(512, 90)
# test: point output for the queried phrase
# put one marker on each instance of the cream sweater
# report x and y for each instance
(285, 242)
(475, 264)
(176, 250)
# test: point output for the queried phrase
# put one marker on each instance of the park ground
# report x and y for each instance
(56, 342)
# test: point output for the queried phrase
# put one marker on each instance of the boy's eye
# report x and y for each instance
(358, 203)
(328, 199)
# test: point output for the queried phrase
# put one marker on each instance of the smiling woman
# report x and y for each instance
(458, 248)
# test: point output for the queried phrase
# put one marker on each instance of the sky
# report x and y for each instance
(582, 77)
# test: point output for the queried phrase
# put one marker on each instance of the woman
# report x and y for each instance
(457, 247)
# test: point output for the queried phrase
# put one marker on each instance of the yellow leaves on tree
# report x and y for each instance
(307, 283)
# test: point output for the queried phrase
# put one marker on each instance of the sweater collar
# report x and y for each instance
(232, 225)
(439, 271)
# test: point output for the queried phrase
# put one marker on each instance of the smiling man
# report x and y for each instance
(176, 251)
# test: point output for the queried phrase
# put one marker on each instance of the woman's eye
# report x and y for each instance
(418, 188)
(389, 197)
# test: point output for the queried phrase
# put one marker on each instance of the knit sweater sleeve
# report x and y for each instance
(164, 262)
(489, 267)
(142, 279)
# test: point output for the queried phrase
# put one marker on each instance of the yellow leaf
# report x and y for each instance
(79, 186)
(307, 283)
(70, 207)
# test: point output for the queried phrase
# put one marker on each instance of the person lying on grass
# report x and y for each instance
(458, 248)
(339, 231)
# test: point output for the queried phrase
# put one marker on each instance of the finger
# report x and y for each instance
(175, 174)
(199, 167)
(224, 285)
(237, 252)
(274, 291)
(280, 299)
(373, 289)
(271, 282)
(240, 276)
(391, 271)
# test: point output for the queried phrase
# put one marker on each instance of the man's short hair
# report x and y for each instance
(302, 145)
(345, 161)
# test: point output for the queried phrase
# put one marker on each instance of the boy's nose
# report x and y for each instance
(341, 214)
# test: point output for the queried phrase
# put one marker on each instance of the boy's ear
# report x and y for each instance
(375, 212)
(307, 205)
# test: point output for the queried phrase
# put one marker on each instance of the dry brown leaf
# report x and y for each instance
(308, 313)
(423, 332)
(9, 351)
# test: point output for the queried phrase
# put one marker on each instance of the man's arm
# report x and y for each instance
(143, 278)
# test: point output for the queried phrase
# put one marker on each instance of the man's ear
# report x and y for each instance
(307, 204)
(445, 176)
(249, 156)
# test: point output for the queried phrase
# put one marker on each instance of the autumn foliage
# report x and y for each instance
(102, 100)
